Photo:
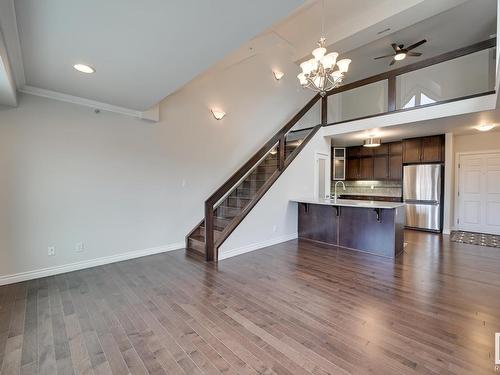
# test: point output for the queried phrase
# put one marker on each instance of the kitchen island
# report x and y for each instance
(367, 226)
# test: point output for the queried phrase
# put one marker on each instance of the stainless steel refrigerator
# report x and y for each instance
(422, 195)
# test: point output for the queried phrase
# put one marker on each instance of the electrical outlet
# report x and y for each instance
(51, 251)
(275, 227)
(79, 247)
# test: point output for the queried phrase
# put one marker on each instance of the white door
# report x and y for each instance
(479, 193)
(320, 180)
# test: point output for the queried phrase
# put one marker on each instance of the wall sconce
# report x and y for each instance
(278, 75)
(218, 114)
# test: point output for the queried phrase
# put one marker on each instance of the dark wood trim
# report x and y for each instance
(302, 130)
(282, 152)
(210, 252)
(486, 44)
(324, 110)
(417, 107)
(391, 94)
(238, 219)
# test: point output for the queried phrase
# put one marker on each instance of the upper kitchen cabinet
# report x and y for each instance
(377, 163)
(423, 150)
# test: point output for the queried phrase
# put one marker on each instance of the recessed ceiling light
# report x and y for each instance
(485, 127)
(84, 68)
(400, 56)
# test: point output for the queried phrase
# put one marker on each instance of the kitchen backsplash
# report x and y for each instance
(378, 188)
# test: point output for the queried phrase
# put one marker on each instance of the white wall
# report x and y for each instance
(274, 217)
(119, 184)
(467, 75)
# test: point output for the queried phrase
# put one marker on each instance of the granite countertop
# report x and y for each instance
(350, 203)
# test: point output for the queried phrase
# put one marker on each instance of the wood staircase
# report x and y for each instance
(227, 207)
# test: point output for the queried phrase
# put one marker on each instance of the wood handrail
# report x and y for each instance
(279, 138)
(219, 193)
(262, 191)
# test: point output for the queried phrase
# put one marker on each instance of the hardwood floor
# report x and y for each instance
(293, 308)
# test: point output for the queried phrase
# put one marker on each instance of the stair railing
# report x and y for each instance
(277, 141)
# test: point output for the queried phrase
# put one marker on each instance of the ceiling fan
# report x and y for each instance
(400, 52)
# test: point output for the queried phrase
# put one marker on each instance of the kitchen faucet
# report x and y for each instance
(335, 190)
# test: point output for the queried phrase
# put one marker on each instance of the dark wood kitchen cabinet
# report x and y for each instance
(378, 163)
(433, 149)
(424, 150)
(396, 167)
(352, 170)
(380, 167)
(366, 168)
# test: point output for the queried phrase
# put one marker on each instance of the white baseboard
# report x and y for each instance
(256, 246)
(56, 270)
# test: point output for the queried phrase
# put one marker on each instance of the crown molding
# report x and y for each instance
(146, 115)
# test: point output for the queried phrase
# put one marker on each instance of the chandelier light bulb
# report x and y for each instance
(329, 60)
(318, 53)
(302, 78)
(343, 65)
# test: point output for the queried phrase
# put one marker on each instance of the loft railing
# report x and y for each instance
(456, 75)
(270, 161)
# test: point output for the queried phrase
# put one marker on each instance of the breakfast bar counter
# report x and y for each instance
(368, 226)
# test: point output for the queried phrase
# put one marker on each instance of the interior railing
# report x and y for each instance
(456, 75)
(229, 205)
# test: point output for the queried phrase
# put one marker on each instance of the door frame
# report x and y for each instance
(456, 206)
(318, 156)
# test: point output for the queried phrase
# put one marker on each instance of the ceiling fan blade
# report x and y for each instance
(395, 47)
(413, 46)
(392, 62)
(383, 57)
(414, 54)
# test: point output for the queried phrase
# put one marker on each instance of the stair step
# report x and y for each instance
(267, 168)
(217, 232)
(197, 243)
(228, 212)
(238, 202)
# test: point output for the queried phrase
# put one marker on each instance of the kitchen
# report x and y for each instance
(377, 190)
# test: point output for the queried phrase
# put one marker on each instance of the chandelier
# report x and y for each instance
(318, 73)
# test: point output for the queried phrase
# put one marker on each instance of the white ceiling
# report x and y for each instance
(458, 125)
(444, 32)
(142, 50)
(145, 50)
